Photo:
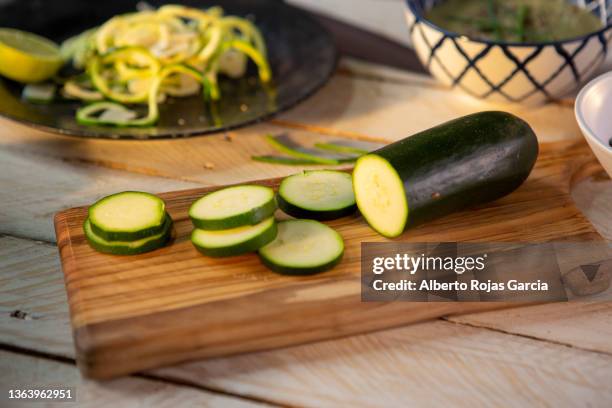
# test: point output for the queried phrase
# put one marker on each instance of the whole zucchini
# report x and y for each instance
(465, 162)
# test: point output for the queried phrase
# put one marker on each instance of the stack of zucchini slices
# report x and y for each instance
(128, 223)
(234, 220)
(237, 220)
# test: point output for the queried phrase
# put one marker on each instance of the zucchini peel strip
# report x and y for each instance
(88, 115)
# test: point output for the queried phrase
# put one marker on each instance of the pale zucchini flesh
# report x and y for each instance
(380, 195)
(134, 247)
(318, 194)
(234, 241)
(303, 247)
(127, 216)
(233, 207)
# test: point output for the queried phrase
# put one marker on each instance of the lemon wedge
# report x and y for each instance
(27, 57)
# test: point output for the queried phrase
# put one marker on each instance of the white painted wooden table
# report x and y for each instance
(549, 355)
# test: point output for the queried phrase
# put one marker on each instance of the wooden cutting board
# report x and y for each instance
(174, 304)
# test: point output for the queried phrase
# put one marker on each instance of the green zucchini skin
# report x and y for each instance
(286, 270)
(284, 160)
(300, 195)
(252, 217)
(241, 248)
(462, 163)
(298, 212)
(127, 235)
(126, 250)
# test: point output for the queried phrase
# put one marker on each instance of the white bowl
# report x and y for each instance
(527, 73)
(594, 115)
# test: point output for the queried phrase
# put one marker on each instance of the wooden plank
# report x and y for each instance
(125, 322)
(33, 188)
(431, 363)
(33, 304)
(23, 372)
(565, 323)
(393, 108)
(211, 160)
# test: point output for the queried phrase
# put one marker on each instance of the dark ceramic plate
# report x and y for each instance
(302, 57)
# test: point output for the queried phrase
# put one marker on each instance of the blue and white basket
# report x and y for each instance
(529, 73)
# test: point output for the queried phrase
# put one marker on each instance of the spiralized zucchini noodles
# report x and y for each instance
(142, 58)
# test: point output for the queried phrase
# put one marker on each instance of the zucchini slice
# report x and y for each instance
(138, 246)
(303, 247)
(466, 162)
(317, 195)
(233, 207)
(235, 241)
(127, 216)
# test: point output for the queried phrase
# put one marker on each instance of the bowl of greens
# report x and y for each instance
(513, 51)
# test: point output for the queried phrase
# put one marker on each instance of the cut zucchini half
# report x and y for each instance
(380, 195)
(138, 246)
(303, 247)
(233, 207)
(466, 162)
(317, 195)
(127, 216)
(235, 241)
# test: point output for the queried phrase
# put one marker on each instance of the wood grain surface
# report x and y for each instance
(555, 355)
(548, 355)
(405, 366)
(19, 370)
(172, 305)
